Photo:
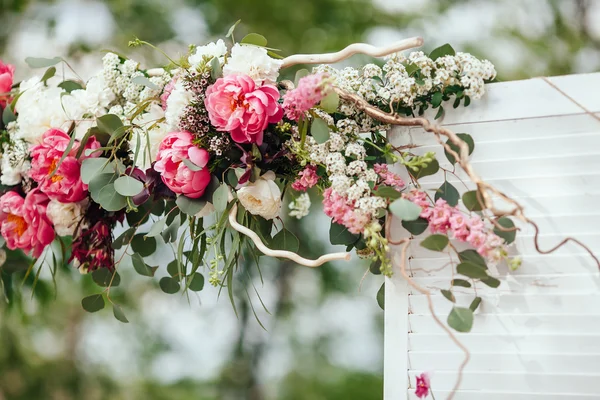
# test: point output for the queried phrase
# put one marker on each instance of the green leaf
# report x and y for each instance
(319, 130)
(50, 72)
(220, 198)
(301, 73)
(443, 50)
(144, 246)
(510, 235)
(471, 201)
(473, 257)
(467, 101)
(411, 68)
(157, 228)
(405, 210)
(232, 178)
(460, 319)
(449, 193)
(103, 277)
(491, 282)
(109, 123)
(216, 70)
(439, 113)
(435, 242)
(128, 186)
(35, 62)
(142, 80)
(436, 99)
(173, 268)
(255, 39)
(189, 206)
(119, 314)
(375, 267)
(169, 285)
(381, 296)
(449, 295)
(466, 138)
(471, 270)
(339, 234)
(124, 238)
(110, 200)
(330, 102)
(230, 31)
(417, 226)
(141, 267)
(69, 86)
(92, 167)
(388, 192)
(8, 116)
(285, 240)
(475, 303)
(197, 282)
(431, 168)
(461, 283)
(93, 303)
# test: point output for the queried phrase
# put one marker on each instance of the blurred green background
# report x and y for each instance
(324, 330)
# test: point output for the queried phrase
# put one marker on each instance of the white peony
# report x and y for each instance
(262, 197)
(148, 137)
(96, 97)
(178, 100)
(254, 62)
(208, 52)
(66, 216)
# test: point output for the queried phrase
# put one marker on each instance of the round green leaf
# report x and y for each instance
(319, 130)
(472, 256)
(301, 73)
(197, 282)
(491, 282)
(220, 197)
(144, 246)
(449, 193)
(443, 50)
(173, 268)
(417, 226)
(93, 303)
(471, 201)
(375, 267)
(157, 228)
(35, 62)
(169, 285)
(103, 277)
(432, 168)
(110, 200)
(330, 102)
(255, 39)
(128, 186)
(124, 238)
(381, 296)
(509, 235)
(435, 242)
(339, 234)
(189, 206)
(119, 314)
(471, 270)
(460, 319)
(449, 295)
(141, 267)
(475, 303)
(92, 167)
(465, 137)
(405, 210)
(109, 123)
(285, 240)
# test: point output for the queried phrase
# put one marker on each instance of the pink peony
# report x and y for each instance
(423, 385)
(310, 91)
(307, 179)
(237, 106)
(7, 73)
(175, 148)
(23, 222)
(65, 185)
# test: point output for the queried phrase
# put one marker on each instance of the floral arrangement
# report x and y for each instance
(200, 154)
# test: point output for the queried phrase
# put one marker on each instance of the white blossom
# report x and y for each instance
(254, 62)
(179, 99)
(300, 207)
(262, 197)
(208, 52)
(14, 163)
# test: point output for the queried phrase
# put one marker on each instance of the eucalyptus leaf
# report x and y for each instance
(435, 242)
(319, 130)
(169, 285)
(449, 193)
(388, 192)
(285, 240)
(405, 210)
(8, 116)
(216, 71)
(119, 314)
(431, 168)
(232, 28)
(473, 257)
(339, 234)
(255, 39)
(92, 167)
(104, 277)
(443, 50)
(471, 270)
(508, 235)
(191, 166)
(461, 283)
(142, 80)
(189, 206)
(417, 226)
(460, 319)
(464, 137)
(128, 186)
(471, 201)
(110, 200)
(301, 73)
(475, 304)
(141, 267)
(70, 86)
(381, 296)
(109, 123)
(331, 102)
(220, 198)
(157, 228)
(93, 303)
(99, 182)
(197, 282)
(448, 295)
(37, 62)
(144, 246)
(50, 72)
(124, 238)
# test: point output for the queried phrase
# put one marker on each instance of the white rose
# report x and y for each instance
(208, 52)
(262, 197)
(66, 216)
(254, 62)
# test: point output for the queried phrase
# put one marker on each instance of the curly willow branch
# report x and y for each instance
(484, 189)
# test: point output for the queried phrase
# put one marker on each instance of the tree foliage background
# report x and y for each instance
(323, 337)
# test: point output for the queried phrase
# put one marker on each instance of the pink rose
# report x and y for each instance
(65, 185)
(175, 148)
(7, 72)
(237, 106)
(23, 222)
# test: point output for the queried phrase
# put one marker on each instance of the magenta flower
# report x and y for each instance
(423, 385)
(7, 73)
(175, 148)
(310, 91)
(237, 106)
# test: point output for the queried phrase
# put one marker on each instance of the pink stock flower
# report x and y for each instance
(237, 106)
(167, 92)
(310, 91)
(439, 220)
(342, 212)
(423, 385)
(308, 178)
(65, 185)
(389, 178)
(175, 148)
(355, 221)
(23, 222)
(7, 73)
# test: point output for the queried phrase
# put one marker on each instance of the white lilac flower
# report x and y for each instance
(358, 190)
(340, 183)
(356, 167)
(66, 216)
(14, 163)
(254, 62)
(336, 142)
(147, 138)
(371, 204)
(300, 207)
(207, 52)
(355, 149)
(336, 163)
(177, 102)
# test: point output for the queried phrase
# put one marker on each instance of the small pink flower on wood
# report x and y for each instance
(423, 385)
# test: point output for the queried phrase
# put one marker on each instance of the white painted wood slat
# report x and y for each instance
(538, 335)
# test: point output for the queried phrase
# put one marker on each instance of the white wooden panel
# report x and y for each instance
(538, 335)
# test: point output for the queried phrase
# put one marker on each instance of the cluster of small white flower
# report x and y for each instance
(300, 207)
(14, 161)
